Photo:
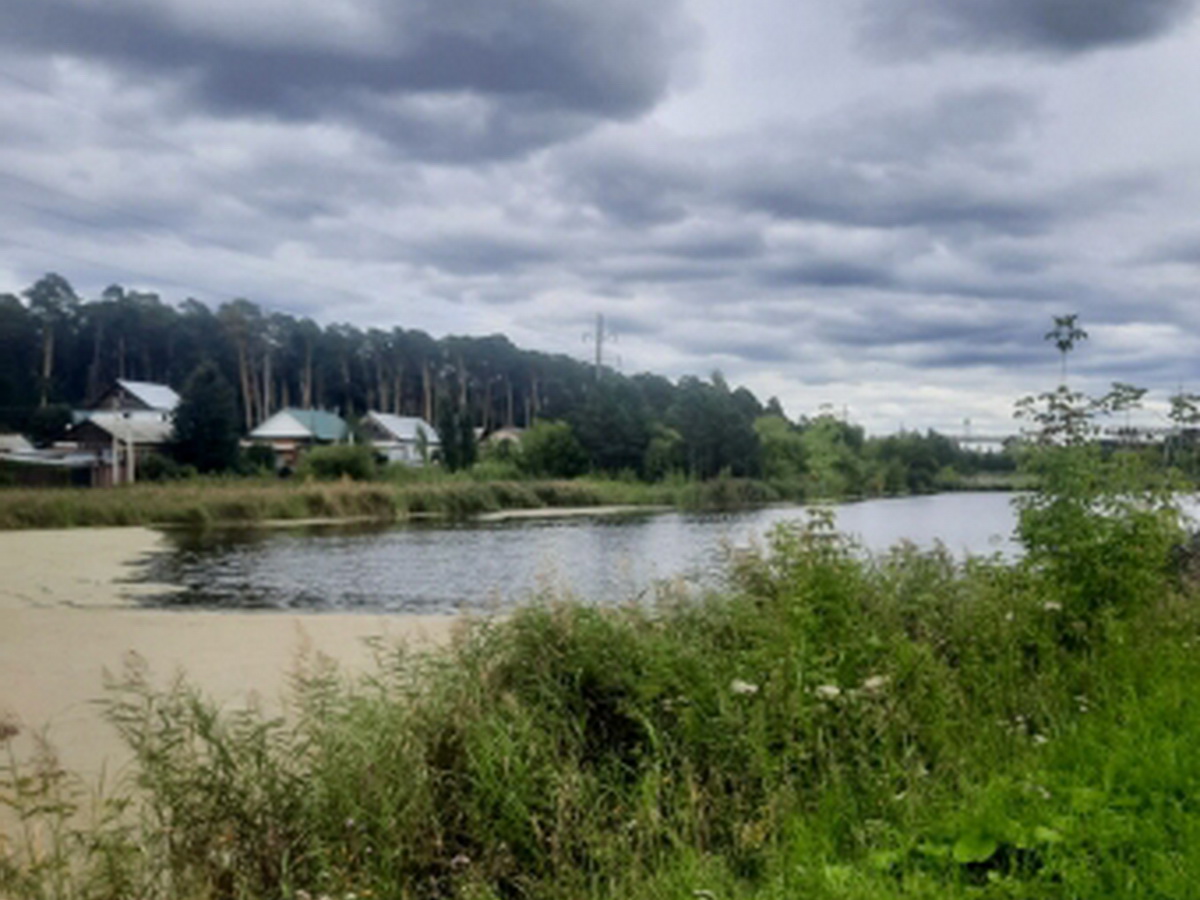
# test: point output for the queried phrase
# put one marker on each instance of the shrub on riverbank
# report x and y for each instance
(826, 726)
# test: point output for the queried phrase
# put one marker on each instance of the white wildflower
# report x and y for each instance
(743, 688)
(875, 684)
(1052, 606)
(827, 691)
(1040, 739)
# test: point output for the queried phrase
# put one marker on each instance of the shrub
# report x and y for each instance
(356, 462)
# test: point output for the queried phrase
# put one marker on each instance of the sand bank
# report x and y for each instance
(570, 512)
(66, 616)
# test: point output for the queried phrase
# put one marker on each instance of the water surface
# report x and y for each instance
(493, 565)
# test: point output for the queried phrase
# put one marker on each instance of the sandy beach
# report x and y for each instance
(66, 617)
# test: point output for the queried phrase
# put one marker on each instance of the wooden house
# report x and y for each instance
(290, 432)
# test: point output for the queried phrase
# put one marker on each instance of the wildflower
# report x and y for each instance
(1009, 616)
(460, 862)
(1040, 739)
(827, 691)
(743, 688)
(704, 895)
(875, 684)
(1052, 606)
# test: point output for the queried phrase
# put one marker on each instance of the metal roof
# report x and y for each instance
(405, 428)
(14, 443)
(139, 429)
(302, 424)
(155, 396)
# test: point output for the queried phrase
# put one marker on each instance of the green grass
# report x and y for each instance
(402, 493)
(825, 726)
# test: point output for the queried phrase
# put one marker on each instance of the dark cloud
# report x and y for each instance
(712, 244)
(904, 324)
(777, 349)
(631, 189)
(974, 124)
(458, 78)
(818, 191)
(831, 273)
(1180, 250)
(1042, 26)
(480, 254)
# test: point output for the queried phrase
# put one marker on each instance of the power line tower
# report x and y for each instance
(599, 336)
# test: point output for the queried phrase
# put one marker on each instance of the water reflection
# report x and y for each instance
(473, 566)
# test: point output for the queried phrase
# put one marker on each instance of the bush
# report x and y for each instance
(356, 462)
(157, 467)
(257, 459)
(551, 450)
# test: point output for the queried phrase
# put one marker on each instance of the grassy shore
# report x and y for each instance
(203, 501)
(826, 726)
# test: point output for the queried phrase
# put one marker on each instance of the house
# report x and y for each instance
(127, 423)
(405, 439)
(119, 442)
(290, 432)
(137, 396)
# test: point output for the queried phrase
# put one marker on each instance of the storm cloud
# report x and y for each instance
(1040, 26)
(456, 78)
(886, 226)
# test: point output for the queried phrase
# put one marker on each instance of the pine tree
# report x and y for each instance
(206, 422)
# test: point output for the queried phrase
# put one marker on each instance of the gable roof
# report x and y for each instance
(138, 429)
(154, 396)
(404, 428)
(14, 443)
(302, 424)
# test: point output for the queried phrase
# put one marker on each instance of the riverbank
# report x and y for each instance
(68, 616)
(213, 501)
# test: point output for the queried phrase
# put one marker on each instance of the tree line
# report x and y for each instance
(59, 351)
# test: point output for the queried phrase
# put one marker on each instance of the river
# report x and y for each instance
(481, 566)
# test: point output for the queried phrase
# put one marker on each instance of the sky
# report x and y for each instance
(874, 207)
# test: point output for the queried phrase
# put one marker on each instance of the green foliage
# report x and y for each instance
(258, 458)
(666, 453)
(206, 431)
(1101, 524)
(459, 449)
(550, 449)
(831, 454)
(717, 427)
(784, 455)
(48, 424)
(353, 461)
(157, 467)
(612, 427)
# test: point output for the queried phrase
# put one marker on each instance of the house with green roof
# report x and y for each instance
(290, 432)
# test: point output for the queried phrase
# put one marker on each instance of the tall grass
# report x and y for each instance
(826, 725)
(404, 492)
